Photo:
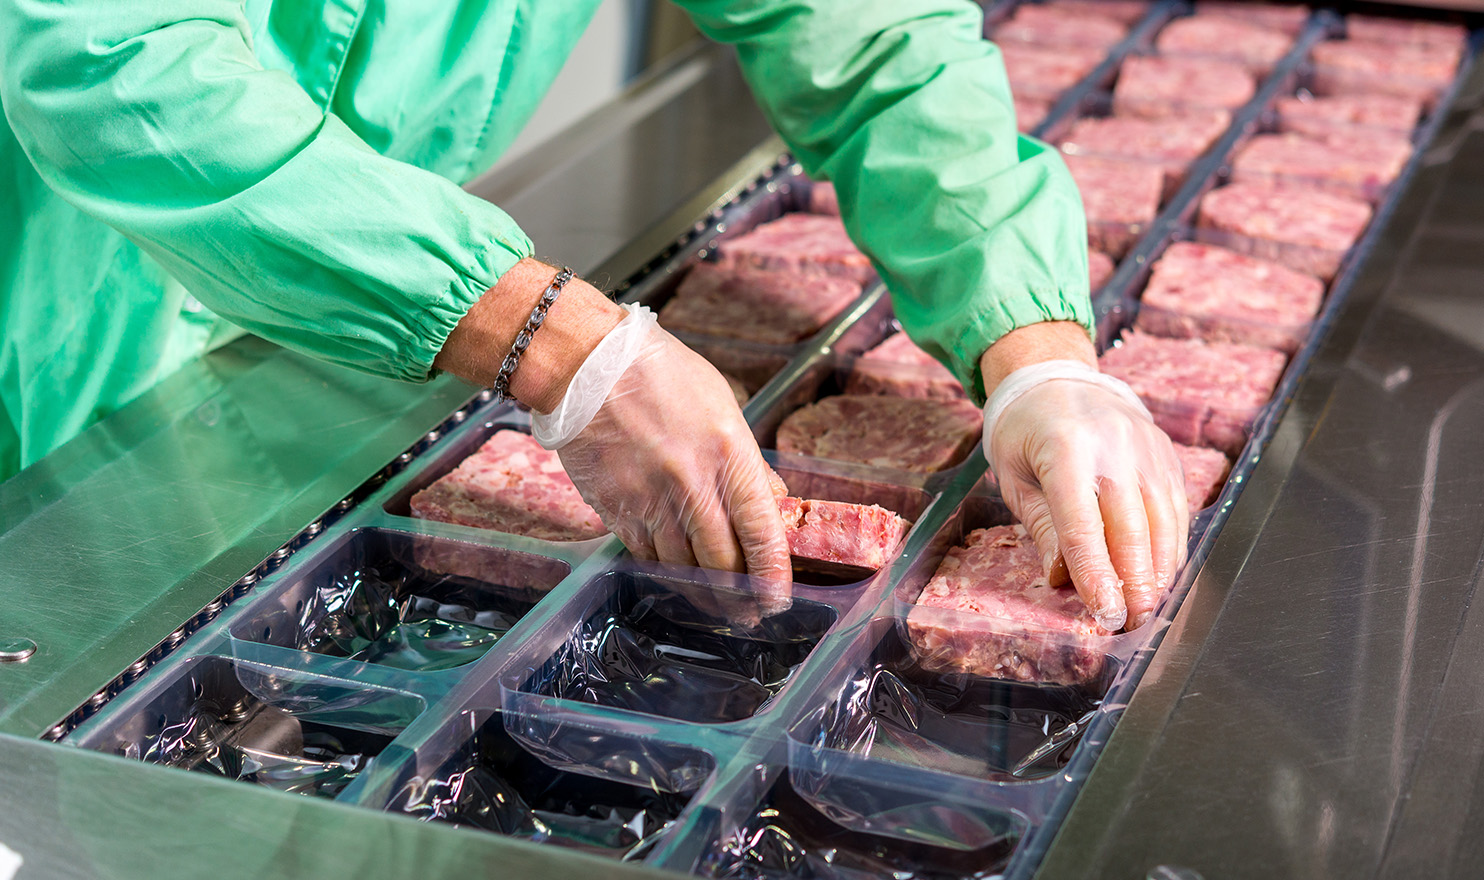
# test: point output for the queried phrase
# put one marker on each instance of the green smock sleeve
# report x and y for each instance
(906, 109)
(157, 118)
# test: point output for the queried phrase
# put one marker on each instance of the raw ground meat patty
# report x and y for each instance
(735, 301)
(1304, 229)
(1350, 67)
(1038, 632)
(897, 366)
(1200, 393)
(907, 433)
(1172, 143)
(1358, 165)
(1151, 86)
(1216, 36)
(1205, 474)
(1043, 73)
(1348, 113)
(1122, 11)
(1099, 270)
(1206, 292)
(511, 485)
(1120, 199)
(800, 243)
(1288, 19)
(859, 535)
(1405, 31)
(1042, 25)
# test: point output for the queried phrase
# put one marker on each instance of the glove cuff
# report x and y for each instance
(594, 380)
(1024, 379)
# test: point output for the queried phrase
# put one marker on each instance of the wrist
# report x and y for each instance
(1034, 344)
(576, 322)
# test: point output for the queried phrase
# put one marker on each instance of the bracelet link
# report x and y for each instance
(501, 385)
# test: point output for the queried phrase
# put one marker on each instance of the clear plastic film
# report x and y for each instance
(382, 598)
(493, 782)
(294, 733)
(667, 647)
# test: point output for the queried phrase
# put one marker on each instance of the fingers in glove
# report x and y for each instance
(1127, 528)
(1165, 535)
(1182, 515)
(1029, 505)
(763, 541)
(1080, 533)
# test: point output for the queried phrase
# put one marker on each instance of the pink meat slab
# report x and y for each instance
(511, 485)
(823, 200)
(1200, 291)
(1044, 73)
(1351, 67)
(813, 243)
(1120, 199)
(1358, 165)
(1200, 393)
(1229, 39)
(515, 572)
(855, 535)
(1304, 229)
(1008, 622)
(1288, 19)
(738, 301)
(897, 366)
(1405, 31)
(1099, 270)
(1029, 112)
(907, 433)
(1171, 142)
(1125, 12)
(1205, 473)
(1041, 25)
(1152, 86)
(1356, 114)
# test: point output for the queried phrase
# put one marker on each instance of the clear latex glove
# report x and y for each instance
(669, 463)
(1096, 483)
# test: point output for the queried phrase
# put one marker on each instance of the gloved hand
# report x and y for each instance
(1096, 483)
(653, 437)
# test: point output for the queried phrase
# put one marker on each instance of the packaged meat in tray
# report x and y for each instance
(1361, 67)
(1154, 86)
(1044, 72)
(1119, 197)
(603, 792)
(1358, 165)
(413, 602)
(1173, 143)
(1201, 291)
(1046, 25)
(291, 731)
(1362, 115)
(1126, 12)
(1286, 18)
(1224, 38)
(1306, 230)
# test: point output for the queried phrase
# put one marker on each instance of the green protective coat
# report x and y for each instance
(292, 166)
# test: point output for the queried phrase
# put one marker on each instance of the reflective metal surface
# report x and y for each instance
(1314, 713)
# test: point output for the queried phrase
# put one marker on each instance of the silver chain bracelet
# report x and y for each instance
(523, 338)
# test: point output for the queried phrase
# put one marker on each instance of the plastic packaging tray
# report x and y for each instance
(624, 708)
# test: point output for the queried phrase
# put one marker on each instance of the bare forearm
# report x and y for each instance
(576, 322)
(1052, 340)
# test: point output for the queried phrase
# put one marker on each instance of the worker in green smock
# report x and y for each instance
(175, 170)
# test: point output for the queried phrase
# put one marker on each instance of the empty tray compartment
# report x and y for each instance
(475, 773)
(289, 731)
(666, 646)
(409, 601)
(887, 706)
